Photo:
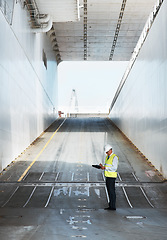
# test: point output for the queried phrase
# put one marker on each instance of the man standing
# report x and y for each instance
(110, 172)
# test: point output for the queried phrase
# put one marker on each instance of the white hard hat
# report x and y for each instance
(107, 147)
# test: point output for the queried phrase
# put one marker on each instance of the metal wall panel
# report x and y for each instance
(141, 108)
(28, 91)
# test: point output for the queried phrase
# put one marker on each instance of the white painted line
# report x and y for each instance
(70, 191)
(41, 176)
(72, 177)
(135, 217)
(146, 197)
(127, 197)
(135, 177)
(30, 197)
(79, 236)
(10, 197)
(88, 176)
(26, 176)
(143, 191)
(108, 200)
(80, 199)
(61, 211)
(88, 192)
(79, 228)
(82, 216)
(125, 192)
(119, 177)
(51, 191)
(33, 191)
(49, 197)
(57, 176)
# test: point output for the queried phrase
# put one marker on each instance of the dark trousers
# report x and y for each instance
(110, 184)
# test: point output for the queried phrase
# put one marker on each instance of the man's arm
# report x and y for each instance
(102, 167)
(114, 166)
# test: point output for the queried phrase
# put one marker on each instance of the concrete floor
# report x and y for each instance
(52, 192)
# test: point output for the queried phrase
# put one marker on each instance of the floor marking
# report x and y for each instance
(33, 191)
(57, 176)
(146, 197)
(10, 197)
(25, 172)
(82, 216)
(79, 228)
(25, 176)
(61, 211)
(125, 192)
(49, 197)
(88, 176)
(70, 189)
(88, 192)
(143, 191)
(108, 200)
(127, 197)
(135, 217)
(51, 191)
(79, 236)
(72, 177)
(41, 176)
(30, 197)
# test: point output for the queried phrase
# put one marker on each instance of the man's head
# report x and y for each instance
(108, 149)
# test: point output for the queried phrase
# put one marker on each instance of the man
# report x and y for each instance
(110, 172)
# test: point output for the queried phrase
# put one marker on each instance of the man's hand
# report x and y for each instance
(102, 167)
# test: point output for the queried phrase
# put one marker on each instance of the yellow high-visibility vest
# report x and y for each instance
(108, 163)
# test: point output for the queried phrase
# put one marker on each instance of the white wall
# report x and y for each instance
(141, 108)
(28, 92)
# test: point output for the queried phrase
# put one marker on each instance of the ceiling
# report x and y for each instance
(94, 30)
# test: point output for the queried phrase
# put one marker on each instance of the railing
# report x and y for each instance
(65, 111)
(136, 51)
(7, 10)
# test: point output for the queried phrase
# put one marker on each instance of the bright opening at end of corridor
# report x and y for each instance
(95, 84)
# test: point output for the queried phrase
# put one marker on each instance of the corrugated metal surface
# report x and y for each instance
(60, 10)
(140, 110)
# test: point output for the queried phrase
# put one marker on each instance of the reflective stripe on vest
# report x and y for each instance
(108, 163)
